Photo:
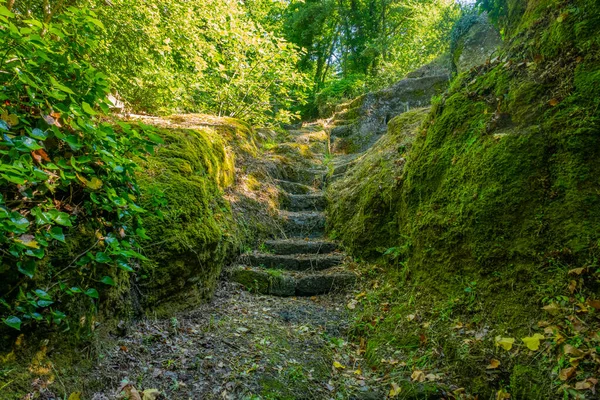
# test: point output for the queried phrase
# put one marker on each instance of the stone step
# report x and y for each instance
(341, 122)
(293, 262)
(300, 246)
(295, 187)
(307, 176)
(283, 283)
(341, 131)
(306, 202)
(334, 177)
(303, 223)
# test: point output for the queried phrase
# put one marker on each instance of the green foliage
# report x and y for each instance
(208, 56)
(338, 91)
(380, 40)
(60, 165)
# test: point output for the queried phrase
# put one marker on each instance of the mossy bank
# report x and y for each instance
(203, 207)
(490, 214)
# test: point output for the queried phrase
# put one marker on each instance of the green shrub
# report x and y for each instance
(64, 173)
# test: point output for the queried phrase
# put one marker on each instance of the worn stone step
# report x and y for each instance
(283, 283)
(315, 284)
(341, 131)
(307, 176)
(293, 262)
(341, 122)
(306, 202)
(300, 246)
(303, 223)
(334, 177)
(295, 187)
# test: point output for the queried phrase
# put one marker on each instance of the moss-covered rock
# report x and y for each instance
(194, 231)
(362, 200)
(497, 201)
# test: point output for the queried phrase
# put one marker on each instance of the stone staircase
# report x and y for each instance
(302, 262)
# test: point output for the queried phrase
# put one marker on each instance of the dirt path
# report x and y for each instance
(241, 346)
(290, 342)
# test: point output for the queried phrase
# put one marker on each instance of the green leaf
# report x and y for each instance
(102, 258)
(42, 294)
(27, 143)
(75, 289)
(38, 134)
(107, 280)
(88, 109)
(62, 219)
(57, 233)
(27, 268)
(13, 322)
(93, 293)
(155, 138)
(124, 266)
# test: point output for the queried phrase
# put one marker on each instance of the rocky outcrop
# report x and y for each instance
(476, 45)
(358, 124)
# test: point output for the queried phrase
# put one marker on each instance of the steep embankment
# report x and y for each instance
(207, 195)
(491, 218)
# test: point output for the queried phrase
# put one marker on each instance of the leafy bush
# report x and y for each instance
(60, 166)
(338, 91)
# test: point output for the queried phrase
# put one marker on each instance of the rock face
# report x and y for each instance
(477, 45)
(358, 124)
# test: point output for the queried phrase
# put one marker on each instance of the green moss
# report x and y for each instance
(497, 199)
(529, 383)
(360, 202)
(193, 235)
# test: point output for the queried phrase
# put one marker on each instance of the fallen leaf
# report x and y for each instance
(502, 395)
(576, 271)
(572, 286)
(553, 102)
(572, 350)
(594, 303)
(432, 377)
(358, 372)
(583, 385)
(552, 308)
(131, 392)
(410, 317)
(351, 304)
(395, 390)
(417, 376)
(505, 343)
(361, 295)
(75, 396)
(337, 365)
(533, 342)
(150, 394)
(566, 373)
(493, 364)
(40, 155)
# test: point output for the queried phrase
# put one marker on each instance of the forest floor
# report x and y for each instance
(246, 345)
(241, 346)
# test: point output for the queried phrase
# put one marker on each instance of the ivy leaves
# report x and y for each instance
(61, 167)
